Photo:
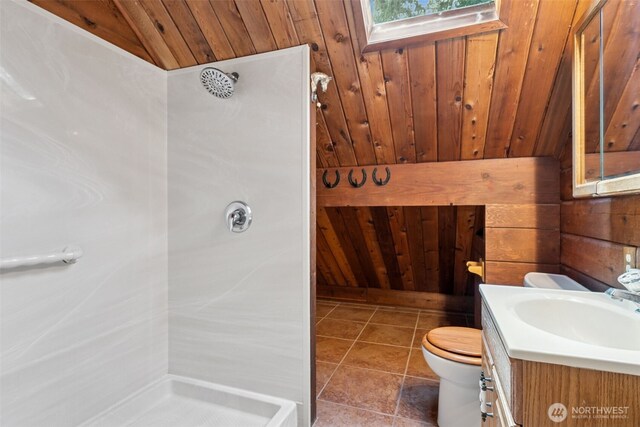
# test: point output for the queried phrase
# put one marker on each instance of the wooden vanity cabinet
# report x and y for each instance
(523, 390)
(502, 393)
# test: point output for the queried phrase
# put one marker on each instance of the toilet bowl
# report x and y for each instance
(454, 354)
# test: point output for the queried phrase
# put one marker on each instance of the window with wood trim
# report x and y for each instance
(396, 23)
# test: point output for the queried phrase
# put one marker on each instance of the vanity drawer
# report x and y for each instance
(498, 412)
(502, 412)
(508, 371)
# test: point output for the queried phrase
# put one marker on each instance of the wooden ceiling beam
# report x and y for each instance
(473, 182)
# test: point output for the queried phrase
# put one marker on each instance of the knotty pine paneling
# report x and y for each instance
(491, 95)
(544, 217)
(519, 239)
(523, 245)
(405, 256)
(595, 233)
(601, 259)
(102, 18)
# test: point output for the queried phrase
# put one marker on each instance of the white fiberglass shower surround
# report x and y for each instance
(167, 317)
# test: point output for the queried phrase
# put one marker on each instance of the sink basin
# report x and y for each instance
(582, 320)
(580, 329)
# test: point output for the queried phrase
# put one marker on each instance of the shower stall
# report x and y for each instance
(155, 234)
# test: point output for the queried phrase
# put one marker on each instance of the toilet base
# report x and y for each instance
(458, 406)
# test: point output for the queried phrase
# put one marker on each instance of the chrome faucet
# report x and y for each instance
(621, 294)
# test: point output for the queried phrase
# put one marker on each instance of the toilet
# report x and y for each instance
(455, 355)
(552, 281)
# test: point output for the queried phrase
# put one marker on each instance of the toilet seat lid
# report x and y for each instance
(455, 343)
(456, 339)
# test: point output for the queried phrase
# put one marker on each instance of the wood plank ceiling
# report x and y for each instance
(493, 95)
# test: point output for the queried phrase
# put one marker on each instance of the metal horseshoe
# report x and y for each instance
(381, 181)
(327, 183)
(355, 183)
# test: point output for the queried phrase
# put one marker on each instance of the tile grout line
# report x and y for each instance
(315, 362)
(397, 374)
(370, 342)
(347, 352)
(328, 313)
(406, 367)
(360, 409)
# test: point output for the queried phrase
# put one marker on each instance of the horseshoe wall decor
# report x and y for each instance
(329, 184)
(355, 183)
(381, 182)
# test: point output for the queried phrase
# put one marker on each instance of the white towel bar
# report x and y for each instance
(69, 255)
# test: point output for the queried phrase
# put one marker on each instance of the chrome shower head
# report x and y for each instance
(217, 82)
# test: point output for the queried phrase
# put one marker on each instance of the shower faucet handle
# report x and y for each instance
(238, 216)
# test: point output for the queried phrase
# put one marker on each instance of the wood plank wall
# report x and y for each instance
(371, 260)
(420, 258)
(520, 239)
(596, 233)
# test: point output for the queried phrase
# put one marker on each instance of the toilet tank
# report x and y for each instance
(552, 281)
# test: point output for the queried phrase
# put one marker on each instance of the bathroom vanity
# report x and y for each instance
(532, 376)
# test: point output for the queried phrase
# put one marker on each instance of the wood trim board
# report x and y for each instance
(526, 180)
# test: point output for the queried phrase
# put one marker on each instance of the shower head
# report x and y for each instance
(217, 82)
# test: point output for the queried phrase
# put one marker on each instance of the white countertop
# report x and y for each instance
(580, 329)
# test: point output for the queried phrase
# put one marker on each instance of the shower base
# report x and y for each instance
(176, 401)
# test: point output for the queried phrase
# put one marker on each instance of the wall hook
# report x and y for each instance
(381, 182)
(327, 183)
(355, 183)
(323, 80)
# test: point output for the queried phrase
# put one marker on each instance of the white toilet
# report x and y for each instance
(552, 281)
(454, 354)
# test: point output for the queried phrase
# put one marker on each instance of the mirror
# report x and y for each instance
(606, 121)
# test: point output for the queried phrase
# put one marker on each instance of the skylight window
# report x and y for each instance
(395, 23)
(394, 10)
